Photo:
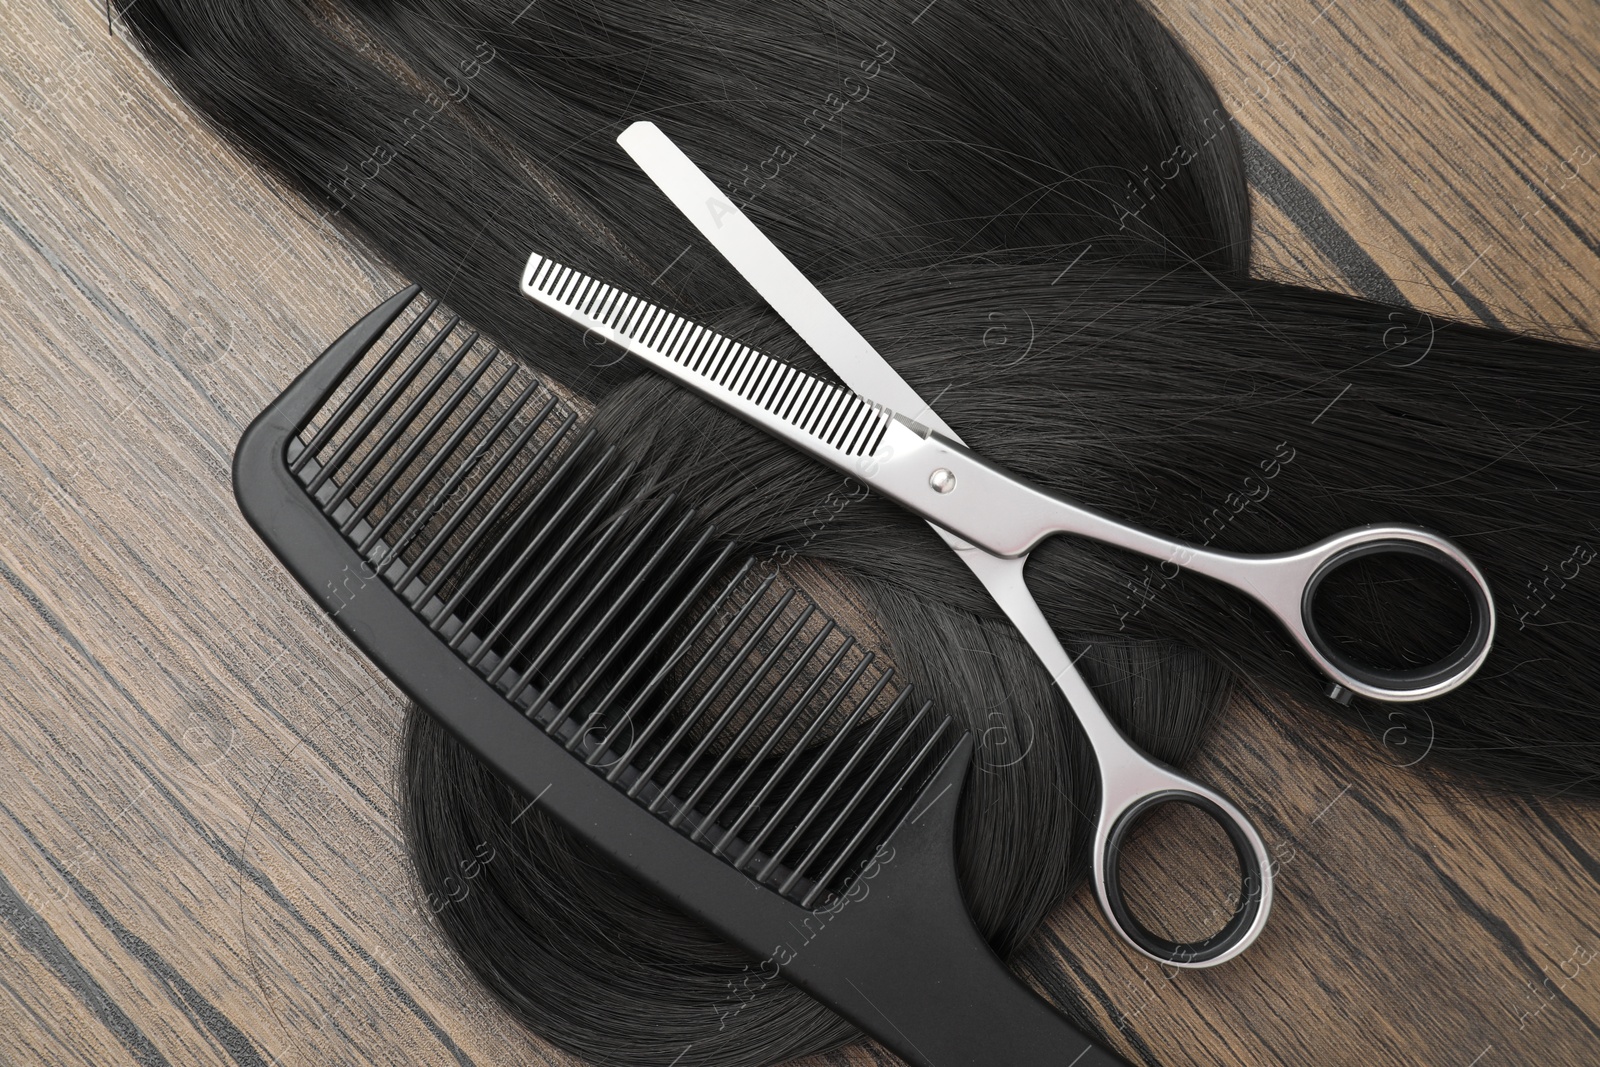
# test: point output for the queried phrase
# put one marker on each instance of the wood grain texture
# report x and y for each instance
(201, 856)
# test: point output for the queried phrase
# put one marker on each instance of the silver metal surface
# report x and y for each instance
(972, 501)
(832, 428)
(769, 272)
(1126, 774)
(989, 517)
(834, 424)
(1008, 516)
(850, 434)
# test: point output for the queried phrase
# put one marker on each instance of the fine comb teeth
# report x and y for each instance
(719, 699)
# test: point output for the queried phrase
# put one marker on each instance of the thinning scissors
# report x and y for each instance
(885, 435)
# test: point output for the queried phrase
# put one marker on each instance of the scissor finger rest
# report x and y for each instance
(1417, 683)
(985, 504)
(1121, 811)
(1286, 584)
(1130, 785)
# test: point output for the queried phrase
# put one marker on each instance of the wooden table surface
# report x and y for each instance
(199, 854)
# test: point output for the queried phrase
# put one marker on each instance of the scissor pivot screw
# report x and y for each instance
(942, 480)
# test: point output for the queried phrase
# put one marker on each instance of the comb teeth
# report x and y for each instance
(836, 417)
(711, 694)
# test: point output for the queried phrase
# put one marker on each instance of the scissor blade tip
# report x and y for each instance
(635, 129)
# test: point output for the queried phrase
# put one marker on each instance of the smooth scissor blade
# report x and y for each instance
(779, 282)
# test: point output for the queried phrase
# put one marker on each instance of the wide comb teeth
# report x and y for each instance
(712, 694)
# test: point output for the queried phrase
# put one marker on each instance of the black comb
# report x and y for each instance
(608, 654)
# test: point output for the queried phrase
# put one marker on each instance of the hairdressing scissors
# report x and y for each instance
(885, 435)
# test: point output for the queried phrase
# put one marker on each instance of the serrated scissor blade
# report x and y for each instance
(834, 424)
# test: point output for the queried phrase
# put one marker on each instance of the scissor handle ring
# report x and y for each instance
(1255, 891)
(1420, 682)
